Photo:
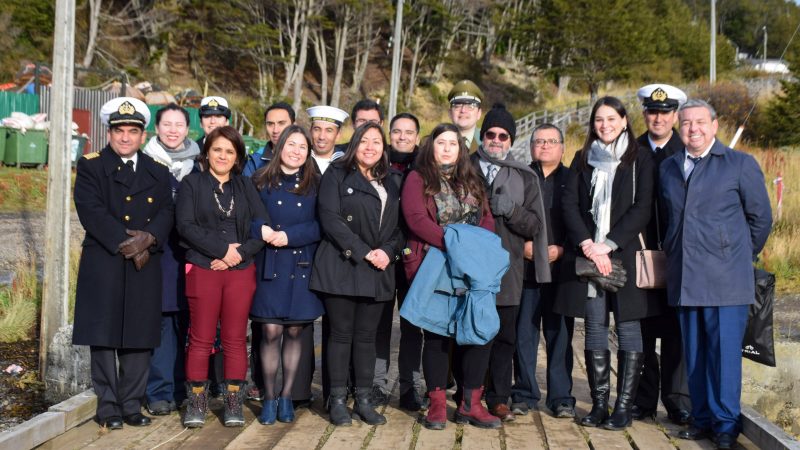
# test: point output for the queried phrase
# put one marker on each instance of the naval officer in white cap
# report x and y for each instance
(666, 374)
(326, 122)
(214, 113)
(124, 202)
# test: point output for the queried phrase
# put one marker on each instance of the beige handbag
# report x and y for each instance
(651, 265)
(651, 268)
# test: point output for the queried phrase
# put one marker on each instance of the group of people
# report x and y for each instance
(188, 241)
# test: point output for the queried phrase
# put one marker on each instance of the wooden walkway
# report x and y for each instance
(311, 429)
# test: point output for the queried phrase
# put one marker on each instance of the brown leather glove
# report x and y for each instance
(140, 259)
(136, 243)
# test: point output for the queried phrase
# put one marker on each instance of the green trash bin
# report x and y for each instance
(3, 135)
(78, 147)
(26, 149)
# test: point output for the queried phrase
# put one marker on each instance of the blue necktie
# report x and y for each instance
(695, 161)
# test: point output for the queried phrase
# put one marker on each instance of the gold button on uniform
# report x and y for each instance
(127, 218)
(149, 199)
(128, 198)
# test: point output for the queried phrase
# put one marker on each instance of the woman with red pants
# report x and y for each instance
(214, 212)
(444, 189)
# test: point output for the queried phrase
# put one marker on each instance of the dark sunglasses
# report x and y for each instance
(502, 137)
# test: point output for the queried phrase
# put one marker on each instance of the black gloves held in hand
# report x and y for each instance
(587, 270)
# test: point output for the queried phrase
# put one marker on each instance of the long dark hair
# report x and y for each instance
(633, 148)
(270, 175)
(464, 174)
(381, 168)
(234, 137)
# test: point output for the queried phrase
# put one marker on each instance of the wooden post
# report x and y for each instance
(56, 238)
(397, 58)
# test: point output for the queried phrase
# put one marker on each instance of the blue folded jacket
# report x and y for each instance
(453, 293)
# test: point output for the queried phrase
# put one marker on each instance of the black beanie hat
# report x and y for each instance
(499, 117)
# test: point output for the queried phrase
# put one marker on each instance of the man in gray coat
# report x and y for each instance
(718, 220)
(516, 201)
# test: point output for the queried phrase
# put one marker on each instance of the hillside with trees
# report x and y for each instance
(323, 51)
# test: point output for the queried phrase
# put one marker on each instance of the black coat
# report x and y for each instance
(115, 305)
(666, 324)
(554, 217)
(349, 213)
(200, 222)
(629, 217)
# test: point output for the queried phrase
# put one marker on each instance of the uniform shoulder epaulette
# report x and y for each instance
(91, 155)
(161, 162)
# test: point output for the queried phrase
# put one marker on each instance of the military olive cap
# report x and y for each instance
(465, 91)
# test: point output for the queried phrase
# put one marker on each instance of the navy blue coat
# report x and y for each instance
(116, 305)
(716, 225)
(283, 273)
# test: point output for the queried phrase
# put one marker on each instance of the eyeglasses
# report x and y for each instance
(464, 106)
(502, 137)
(541, 142)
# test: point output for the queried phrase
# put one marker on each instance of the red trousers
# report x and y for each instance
(222, 297)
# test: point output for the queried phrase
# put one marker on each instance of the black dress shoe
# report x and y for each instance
(137, 420)
(112, 423)
(724, 440)
(694, 434)
(680, 417)
(639, 413)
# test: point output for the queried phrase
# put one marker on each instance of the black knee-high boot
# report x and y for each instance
(598, 367)
(629, 372)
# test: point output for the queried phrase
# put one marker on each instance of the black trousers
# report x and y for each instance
(470, 361)
(667, 372)
(120, 392)
(502, 357)
(409, 354)
(301, 389)
(352, 325)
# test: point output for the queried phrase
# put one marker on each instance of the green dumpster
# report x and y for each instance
(3, 135)
(252, 144)
(26, 149)
(78, 147)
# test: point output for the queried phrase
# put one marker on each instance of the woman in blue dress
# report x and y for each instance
(288, 188)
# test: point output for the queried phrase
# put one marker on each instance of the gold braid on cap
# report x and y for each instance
(127, 109)
(659, 95)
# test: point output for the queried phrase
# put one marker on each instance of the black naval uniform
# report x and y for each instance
(672, 373)
(117, 308)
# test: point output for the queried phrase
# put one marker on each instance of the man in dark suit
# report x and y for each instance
(718, 219)
(124, 202)
(536, 304)
(667, 373)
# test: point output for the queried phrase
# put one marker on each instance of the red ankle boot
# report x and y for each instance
(472, 410)
(436, 419)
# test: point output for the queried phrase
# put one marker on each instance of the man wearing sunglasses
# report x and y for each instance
(465, 111)
(516, 201)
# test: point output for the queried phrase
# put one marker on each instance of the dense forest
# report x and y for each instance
(285, 49)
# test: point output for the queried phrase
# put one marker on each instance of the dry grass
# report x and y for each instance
(19, 304)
